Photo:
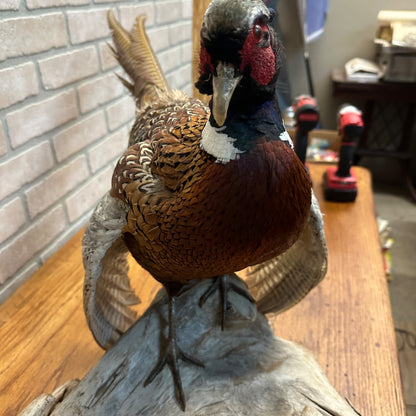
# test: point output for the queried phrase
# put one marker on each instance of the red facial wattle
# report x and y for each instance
(261, 59)
(205, 61)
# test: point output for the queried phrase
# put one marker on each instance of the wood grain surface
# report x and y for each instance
(199, 7)
(346, 321)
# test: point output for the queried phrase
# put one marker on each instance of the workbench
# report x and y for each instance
(346, 321)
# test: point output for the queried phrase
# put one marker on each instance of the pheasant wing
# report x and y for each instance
(107, 291)
(283, 281)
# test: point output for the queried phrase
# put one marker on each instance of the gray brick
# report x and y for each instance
(99, 91)
(39, 118)
(63, 238)
(107, 58)
(180, 32)
(41, 196)
(128, 14)
(24, 83)
(187, 9)
(121, 112)
(13, 284)
(22, 249)
(159, 38)
(24, 168)
(9, 4)
(107, 1)
(79, 135)
(170, 59)
(87, 196)
(168, 11)
(109, 149)
(66, 68)
(180, 77)
(188, 89)
(3, 145)
(14, 40)
(37, 4)
(88, 25)
(186, 52)
(12, 217)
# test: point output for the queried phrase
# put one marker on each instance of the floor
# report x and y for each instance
(394, 204)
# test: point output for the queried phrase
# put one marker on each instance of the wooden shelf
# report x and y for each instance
(392, 91)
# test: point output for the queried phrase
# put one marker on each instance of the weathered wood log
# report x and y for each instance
(248, 370)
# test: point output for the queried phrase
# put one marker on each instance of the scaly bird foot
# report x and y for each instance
(224, 285)
(170, 355)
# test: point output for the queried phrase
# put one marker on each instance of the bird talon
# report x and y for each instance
(224, 285)
(187, 358)
(171, 357)
(171, 354)
(214, 286)
(156, 370)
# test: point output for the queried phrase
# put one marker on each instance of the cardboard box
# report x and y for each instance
(396, 41)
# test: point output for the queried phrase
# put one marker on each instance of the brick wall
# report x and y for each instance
(65, 117)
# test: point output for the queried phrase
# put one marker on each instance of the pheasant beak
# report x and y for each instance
(223, 84)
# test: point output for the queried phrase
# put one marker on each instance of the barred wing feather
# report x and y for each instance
(107, 291)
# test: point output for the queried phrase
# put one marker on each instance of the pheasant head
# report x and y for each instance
(239, 58)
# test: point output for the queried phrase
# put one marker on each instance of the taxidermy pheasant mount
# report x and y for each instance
(204, 191)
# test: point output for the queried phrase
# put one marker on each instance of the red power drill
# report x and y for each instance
(307, 117)
(340, 183)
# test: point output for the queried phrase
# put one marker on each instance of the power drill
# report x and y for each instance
(340, 183)
(306, 117)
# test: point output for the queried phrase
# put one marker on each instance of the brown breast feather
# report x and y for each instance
(193, 218)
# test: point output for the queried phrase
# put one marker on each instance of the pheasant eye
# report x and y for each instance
(258, 32)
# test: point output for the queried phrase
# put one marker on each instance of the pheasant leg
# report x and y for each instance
(224, 285)
(170, 355)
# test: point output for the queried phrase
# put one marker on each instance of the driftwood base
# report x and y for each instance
(248, 371)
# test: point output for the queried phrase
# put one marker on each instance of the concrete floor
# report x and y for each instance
(393, 203)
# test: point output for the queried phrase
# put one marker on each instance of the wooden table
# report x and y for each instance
(346, 321)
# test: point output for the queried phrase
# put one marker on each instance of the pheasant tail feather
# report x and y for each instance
(135, 54)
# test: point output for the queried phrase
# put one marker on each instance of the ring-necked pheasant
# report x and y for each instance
(203, 192)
